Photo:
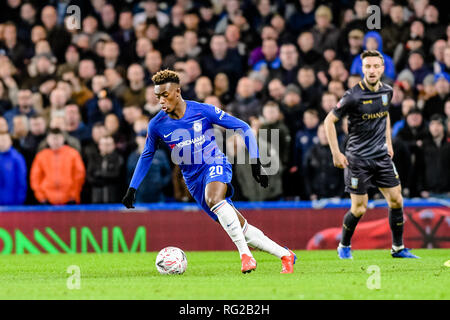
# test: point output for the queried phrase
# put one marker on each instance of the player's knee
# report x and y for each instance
(359, 209)
(396, 202)
(211, 201)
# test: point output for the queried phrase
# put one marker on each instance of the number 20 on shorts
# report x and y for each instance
(215, 171)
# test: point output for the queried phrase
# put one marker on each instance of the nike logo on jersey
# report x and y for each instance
(167, 135)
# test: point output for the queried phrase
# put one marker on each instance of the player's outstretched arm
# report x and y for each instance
(144, 162)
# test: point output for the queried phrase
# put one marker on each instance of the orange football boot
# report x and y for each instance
(248, 263)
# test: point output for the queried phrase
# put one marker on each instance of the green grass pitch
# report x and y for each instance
(216, 275)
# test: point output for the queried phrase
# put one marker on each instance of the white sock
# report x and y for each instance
(258, 240)
(398, 248)
(230, 222)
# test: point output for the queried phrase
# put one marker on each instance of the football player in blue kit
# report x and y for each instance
(187, 128)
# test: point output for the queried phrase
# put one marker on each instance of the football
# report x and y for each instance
(171, 260)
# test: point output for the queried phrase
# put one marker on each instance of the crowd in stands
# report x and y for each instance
(76, 93)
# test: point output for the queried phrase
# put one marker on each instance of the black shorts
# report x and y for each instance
(361, 174)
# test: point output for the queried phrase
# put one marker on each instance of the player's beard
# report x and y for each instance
(372, 84)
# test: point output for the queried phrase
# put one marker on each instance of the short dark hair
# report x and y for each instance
(166, 76)
(372, 53)
(55, 131)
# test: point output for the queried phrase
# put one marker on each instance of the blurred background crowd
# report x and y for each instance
(75, 100)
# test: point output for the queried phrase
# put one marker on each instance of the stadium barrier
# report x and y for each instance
(298, 225)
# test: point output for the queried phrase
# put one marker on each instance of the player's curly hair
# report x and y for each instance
(166, 76)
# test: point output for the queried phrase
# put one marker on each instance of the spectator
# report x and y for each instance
(435, 173)
(273, 123)
(309, 88)
(325, 33)
(287, 72)
(151, 13)
(416, 64)
(13, 173)
(308, 55)
(57, 36)
(408, 104)
(158, 176)
(24, 107)
(152, 64)
(125, 37)
(397, 31)
(108, 19)
(57, 173)
(75, 125)
(271, 61)
(222, 88)
(135, 93)
(322, 178)
(277, 90)
(115, 83)
(36, 134)
(222, 60)
(59, 122)
(292, 109)
(98, 107)
(104, 173)
(303, 17)
(349, 52)
(245, 106)
(435, 105)
(13, 48)
(305, 138)
(203, 88)
(111, 57)
(179, 52)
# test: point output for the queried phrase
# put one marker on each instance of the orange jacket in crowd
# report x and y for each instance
(57, 176)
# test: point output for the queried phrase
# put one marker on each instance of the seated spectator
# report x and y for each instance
(104, 173)
(13, 173)
(158, 176)
(57, 173)
(322, 178)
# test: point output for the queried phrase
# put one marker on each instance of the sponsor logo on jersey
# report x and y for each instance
(376, 115)
(367, 101)
(196, 141)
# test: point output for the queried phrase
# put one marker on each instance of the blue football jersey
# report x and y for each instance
(191, 139)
